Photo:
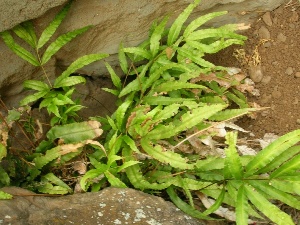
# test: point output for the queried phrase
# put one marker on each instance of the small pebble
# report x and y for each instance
(256, 73)
(281, 37)
(276, 94)
(267, 18)
(267, 44)
(289, 71)
(295, 102)
(266, 79)
(297, 74)
(292, 25)
(264, 33)
(298, 121)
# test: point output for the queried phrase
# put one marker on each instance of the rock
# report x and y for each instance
(276, 94)
(267, 44)
(292, 25)
(266, 79)
(267, 18)
(255, 73)
(289, 71)
(113, 22)
(298, 121)
(264, 33)
(297, 74)
(13, 12)
(109, 206)
(281, 37)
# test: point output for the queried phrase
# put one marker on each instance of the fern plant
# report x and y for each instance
(176, 96)
(55, 97)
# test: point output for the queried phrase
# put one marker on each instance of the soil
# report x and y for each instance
(274, 42)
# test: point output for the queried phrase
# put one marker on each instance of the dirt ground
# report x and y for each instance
(274, 43)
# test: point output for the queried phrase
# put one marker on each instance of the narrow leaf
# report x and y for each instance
(114, 77)
(139, 51)
(178, 23)
(165, 156)
(225, 31)
(187, 54)
(184, 206)
(268, 209)
(55, 180)
(60, 42)
(114, 181)
(26, 32)
(230, 113)
(156, 36)
(126, 165)
(20, 51)
(241, 207)
(50, 30)
(233, 167)
(280, 159)
(131, 143)
(122, 59)
(120, 113)
(175, 85)
(136, 177)
(188, 120)
(33, 97)
(78, 64)
(162, 100)
(71, 81)
(41, 161)
(274, 193)
(217, 203)
(268, 154)
(290, 166)
(91, 176)
(36, 85)
(195, 24)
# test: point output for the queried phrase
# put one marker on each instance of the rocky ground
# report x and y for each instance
(273, 43)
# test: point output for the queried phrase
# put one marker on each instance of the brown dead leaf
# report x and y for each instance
(67, 148)
(39, 133)
(169, 52)
(95, 126)
(80, 167)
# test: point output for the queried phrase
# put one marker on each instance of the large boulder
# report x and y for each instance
(114, 21)
(109, 206)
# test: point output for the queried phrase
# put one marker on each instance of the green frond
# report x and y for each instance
(156, 35)
(52, 27)
(268, 154)
(267, 208)
(62, 40)
(26, 32)
(176, 27)
(78, 64)
(17, 49)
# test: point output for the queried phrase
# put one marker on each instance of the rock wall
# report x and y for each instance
(114, 21)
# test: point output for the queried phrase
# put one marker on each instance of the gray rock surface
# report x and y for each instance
(109, 206)
(13, 12)
(114, 21)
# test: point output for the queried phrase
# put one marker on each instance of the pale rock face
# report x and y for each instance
(113, 22)
(108, 206)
